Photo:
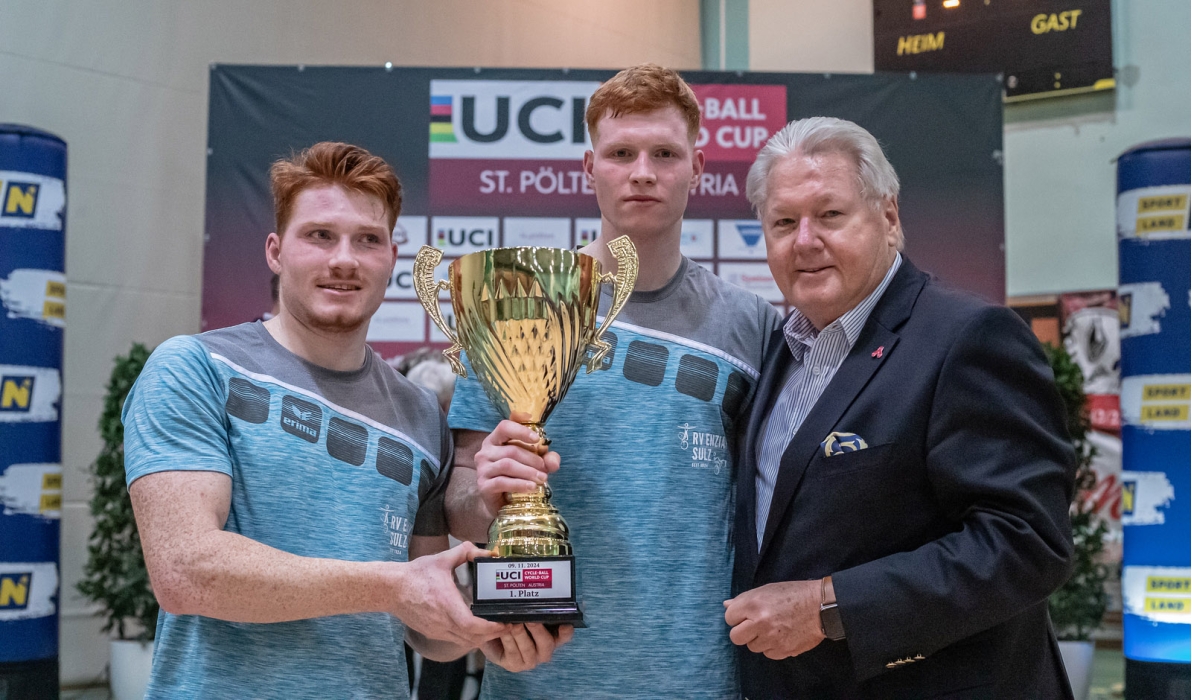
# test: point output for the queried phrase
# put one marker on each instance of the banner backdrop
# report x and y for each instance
(32, 323)
(493, 157)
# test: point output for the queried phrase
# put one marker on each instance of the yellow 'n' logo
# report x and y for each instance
(20, 199)
(14, 591)
(15, 393)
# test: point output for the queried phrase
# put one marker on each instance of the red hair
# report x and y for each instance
(643, 88)
(333, 163)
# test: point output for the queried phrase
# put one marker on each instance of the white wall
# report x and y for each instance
(1060, 178)
(125, 83)
(1060, 175)
(811, 36)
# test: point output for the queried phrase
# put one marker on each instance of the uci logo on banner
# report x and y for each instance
(31, 201)
(509, 119)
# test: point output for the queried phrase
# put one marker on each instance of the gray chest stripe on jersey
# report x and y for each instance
(679, 340)
(430, 456)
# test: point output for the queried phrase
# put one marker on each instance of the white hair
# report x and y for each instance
(436, 376)
(817, 135)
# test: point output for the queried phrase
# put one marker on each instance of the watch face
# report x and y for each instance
(830, 622)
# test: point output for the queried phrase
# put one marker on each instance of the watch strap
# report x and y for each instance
(830, 623)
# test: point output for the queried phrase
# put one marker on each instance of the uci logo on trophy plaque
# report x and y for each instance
(527, 319)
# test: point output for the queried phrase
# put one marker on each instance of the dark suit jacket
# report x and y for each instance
(945, 536)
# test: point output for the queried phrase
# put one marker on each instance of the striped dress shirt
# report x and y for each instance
(817, 356)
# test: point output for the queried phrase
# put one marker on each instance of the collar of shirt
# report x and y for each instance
(801, 334)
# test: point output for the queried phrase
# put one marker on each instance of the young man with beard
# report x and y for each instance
(282, 473)
(646, 482)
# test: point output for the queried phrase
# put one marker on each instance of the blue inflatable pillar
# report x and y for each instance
(1153, 297)
(32, 317)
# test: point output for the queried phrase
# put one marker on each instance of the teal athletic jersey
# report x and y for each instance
(647, 488)
(341, 465)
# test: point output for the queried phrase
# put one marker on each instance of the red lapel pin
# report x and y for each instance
(878, 353)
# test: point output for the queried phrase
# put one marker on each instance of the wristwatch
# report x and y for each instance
(830, 623)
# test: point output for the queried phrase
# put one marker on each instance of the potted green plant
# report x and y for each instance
(115, 574)
(1078, 606)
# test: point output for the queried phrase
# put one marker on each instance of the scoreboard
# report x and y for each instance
(1041, 48)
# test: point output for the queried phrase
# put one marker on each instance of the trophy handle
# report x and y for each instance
(623, 281)
(428, 293)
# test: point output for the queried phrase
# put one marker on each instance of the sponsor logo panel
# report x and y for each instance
(1158, 593)
(1145, 498)
(409, 233)
(32, 489)
(460, 235)
(696, 238)
(29, 394)
(31, 201)
(1156, 401)
(27, 590)
(398, 321)
(741, 238)
(509, 119)
(1140, 306)
(756, 277)
(39, 295)
(537, 231)
(1154, 213)
(586, 231)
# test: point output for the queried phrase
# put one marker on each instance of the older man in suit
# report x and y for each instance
(904, 484)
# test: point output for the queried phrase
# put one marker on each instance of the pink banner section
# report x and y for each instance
(720, 192)
(465, 187)
(737, 120)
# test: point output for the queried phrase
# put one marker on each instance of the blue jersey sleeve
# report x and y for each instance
(174, 418)
(470, 407)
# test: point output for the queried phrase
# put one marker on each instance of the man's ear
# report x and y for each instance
(697, 167)
(273, 252)
(892, 222)
(589, 163)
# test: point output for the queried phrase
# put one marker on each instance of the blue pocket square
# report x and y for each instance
(839, 443)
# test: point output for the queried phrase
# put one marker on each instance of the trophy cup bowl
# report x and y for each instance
(527, 319)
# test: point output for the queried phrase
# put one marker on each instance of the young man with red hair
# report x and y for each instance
(286, 481)
(646, 475)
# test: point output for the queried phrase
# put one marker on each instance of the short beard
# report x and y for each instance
(335, 325)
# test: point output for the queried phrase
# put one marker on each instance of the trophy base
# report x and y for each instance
(567, 613)
(526, 589)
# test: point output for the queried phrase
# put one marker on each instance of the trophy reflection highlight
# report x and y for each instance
(527, 319)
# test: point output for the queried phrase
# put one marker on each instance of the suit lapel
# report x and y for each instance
(858, 368)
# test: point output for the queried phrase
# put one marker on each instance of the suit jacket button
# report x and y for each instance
(891, 665)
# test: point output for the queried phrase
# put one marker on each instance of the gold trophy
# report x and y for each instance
(527, 319)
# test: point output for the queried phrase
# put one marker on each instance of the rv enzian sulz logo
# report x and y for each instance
(19, 199)
(14, 590)
(16, 394)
